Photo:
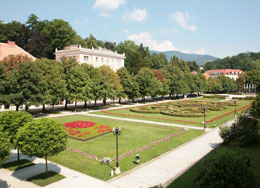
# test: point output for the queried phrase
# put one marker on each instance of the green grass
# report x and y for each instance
(41, 179)
(14, 165)
(172, 119)
(186, 180)
(134, 135)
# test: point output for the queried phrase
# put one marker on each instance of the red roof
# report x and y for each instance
(225, 71)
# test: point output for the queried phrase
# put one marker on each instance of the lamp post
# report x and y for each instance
(116, 132)
(235, 103)
(204, 111)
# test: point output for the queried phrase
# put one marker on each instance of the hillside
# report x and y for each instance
(200, 59)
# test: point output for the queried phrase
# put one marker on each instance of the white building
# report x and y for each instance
(95, 57)
(231, 73)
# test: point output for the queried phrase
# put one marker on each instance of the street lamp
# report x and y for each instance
(204, 111)
(116, 132)
(235, 103)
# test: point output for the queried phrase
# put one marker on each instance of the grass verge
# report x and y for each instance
(41, 179)
(14, 165)
(134, 135)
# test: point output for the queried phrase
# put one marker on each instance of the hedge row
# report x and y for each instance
(215, 96)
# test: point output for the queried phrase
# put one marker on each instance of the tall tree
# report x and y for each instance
(144, 79)
(58, 34)
(91, 42)
(5, 148)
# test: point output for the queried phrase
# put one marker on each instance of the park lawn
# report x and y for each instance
(42, 181)
(194, 121)
(134, 135)
(14, 164)
(186, 179)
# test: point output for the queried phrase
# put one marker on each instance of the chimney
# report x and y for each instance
(11, 43)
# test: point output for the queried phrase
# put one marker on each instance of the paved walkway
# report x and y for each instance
(74, 179)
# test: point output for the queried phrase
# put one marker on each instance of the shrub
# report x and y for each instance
(224, 168)
(243, 132)
(255, 109)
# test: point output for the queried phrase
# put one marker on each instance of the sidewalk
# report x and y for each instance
(167, 167)
(74, 179)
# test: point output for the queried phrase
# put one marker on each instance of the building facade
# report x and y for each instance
(94, 57)
(231, 73)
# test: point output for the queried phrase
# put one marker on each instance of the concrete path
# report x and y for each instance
(74, 179)
(145, 121)
(167, 167)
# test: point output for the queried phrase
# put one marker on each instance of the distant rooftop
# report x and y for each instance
(10, 48)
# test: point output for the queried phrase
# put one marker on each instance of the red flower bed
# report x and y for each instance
(85, 130)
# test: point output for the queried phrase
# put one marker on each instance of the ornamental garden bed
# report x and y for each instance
(147, 140)
(186, 112)
(86, 130)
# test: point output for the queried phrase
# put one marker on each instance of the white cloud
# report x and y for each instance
(79, 22)
(181, 19)
(108, 5)
(146, 39)
(201, 51)
(138, 15)
(104, 14)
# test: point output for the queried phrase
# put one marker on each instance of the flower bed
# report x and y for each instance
(86, 130)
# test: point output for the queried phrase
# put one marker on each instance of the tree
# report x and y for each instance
(12, 62)
(253, 77)
(58, 34)
(214, 85)
(67, 64)
(241, 81)
(42, 138)
(243, 132)
(225, 168)
(91, 42)
(255, 108)
(228, 84)
(144, 79)
(53, 86)
(11, 122)
(5, 147)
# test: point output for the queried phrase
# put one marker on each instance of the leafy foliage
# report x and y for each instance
(226, 168)
(243, 132)
(5, 147)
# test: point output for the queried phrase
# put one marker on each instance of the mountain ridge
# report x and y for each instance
(200, 59)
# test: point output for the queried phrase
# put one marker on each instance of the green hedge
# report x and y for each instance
(215, 96)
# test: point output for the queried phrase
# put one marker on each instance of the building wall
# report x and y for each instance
(94, 57)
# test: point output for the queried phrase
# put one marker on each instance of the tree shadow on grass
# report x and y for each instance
(25, 173)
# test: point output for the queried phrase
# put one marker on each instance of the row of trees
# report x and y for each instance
(49, 82)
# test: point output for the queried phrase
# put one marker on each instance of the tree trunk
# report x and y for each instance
(26, 108)
(17, 107)
(104, 101)
(119, 100)
(133, 100)
(76, 105)
(95, 102)
(53, 107)
(153, 98)
(85, 105)
(46, 165)
(43, 107)
(18, 156)
(66, 104)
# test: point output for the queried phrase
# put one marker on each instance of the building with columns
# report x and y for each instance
(94, 57)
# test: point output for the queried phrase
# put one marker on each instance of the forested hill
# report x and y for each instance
(200, 59)
(243, 61)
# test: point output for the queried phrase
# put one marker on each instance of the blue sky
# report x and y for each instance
(216, 27)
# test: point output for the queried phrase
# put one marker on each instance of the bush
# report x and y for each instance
(224, 168)
(243, 132)
(255, 110)
(215, 96)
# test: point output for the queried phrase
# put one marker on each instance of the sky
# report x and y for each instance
(215, 27)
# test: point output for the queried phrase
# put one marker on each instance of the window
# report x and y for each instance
(85, 58)
(96, 59)
(102, 59)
